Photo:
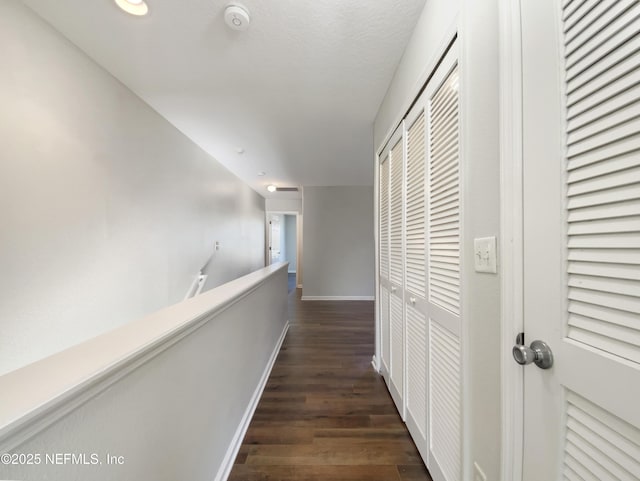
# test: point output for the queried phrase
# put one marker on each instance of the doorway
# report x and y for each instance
(284, 244)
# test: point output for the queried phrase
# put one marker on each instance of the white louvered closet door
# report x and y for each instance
(416, 312)
(443, 278)
(383, 255)
(582, 238)
(396, 269)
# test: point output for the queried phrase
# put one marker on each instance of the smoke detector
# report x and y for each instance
(237, 17)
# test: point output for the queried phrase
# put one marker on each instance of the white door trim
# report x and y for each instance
(377, 355)
(511, 233)
(298, 239)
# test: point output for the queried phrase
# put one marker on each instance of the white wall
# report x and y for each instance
(108, 212)
(338, 242)
(424, 49)
(290, 236)
(283, 239)
(479, 97)
(284, 205)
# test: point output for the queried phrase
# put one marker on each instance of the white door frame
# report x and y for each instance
(377, 352)
(511, 233)
(298, 240)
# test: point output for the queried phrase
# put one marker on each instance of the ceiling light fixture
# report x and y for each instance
(271, 188)
(240, 150)
(133, 7)
(261, 174)
(237, 17)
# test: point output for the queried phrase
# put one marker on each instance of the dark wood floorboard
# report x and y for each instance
(325, 414)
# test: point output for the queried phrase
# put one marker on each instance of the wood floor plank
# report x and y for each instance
(359, 435)
(338, 454)
(282, 435)
(314, 473)
(325, 414)
(414, 472)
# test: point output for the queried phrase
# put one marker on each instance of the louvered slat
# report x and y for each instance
(587, 87)
(593, 22)
(574, 471)
(444, 394)
(576, 10)
(599, 445)
(384, 218)
(415, 212)
(602, 50)
(385, 326)
(417, 367)
(397, 351)
(395, 219)
(444, 197)
(585, 50)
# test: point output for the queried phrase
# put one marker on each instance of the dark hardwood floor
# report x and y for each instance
(325, 414)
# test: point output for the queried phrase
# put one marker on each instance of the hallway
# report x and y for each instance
(324, 413)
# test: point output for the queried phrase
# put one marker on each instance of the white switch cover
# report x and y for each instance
(484, 255)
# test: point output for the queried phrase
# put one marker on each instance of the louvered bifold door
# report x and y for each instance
(603, 174)
(443, 286)
(581, 238)
(415, 279)
(602, 324)
(383, 256)
(396, 268)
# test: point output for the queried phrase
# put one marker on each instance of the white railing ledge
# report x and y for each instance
(37, 395)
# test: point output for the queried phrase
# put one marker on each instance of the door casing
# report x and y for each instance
(298, 241)
(511, 236)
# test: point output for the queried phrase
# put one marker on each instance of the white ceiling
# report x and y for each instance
(298, 91)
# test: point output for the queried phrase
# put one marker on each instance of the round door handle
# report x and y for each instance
(523, 355)
(394, 288)
(412, 300)
(539, 353)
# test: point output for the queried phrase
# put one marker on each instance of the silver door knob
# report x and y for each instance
(539, 353)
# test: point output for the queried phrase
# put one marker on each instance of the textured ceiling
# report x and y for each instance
(298, 91)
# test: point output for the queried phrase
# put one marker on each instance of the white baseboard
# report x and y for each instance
(374, 363)
(384, 372)
(338, 298)
(229, 458)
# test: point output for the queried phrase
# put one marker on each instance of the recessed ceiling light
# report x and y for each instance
(134, 7)
(240, 150)
(261, 174)
(271, 188)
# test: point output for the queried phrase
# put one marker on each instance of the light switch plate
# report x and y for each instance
(484, 255)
